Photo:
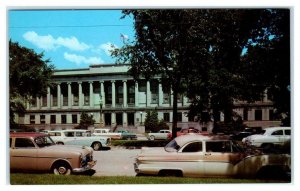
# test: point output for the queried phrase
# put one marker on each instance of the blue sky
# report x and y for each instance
(70, 38)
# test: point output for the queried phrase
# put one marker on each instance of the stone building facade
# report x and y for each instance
(115, 100)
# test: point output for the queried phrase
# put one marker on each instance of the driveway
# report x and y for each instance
(115, 162)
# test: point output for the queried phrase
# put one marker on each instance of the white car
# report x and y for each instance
(270, 138)
(79, 137)
(161, 134)
(210, 156)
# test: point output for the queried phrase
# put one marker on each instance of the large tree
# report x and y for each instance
(200, 52)
(29, 77)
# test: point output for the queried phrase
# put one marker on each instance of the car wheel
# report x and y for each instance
(60, 143)
(267, 147)
(152, 138)
(96, 146)
(62, 168)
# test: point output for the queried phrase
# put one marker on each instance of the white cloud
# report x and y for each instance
(82, 59)
(49, 43)
(106, 47)
(43, 42)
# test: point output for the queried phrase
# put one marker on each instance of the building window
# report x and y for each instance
(130, 119)
(179, 116)
(42, 119)
(258, 114)
(63, 119)
(119, 118)
(44, 101)
(245, 114)
(52, 119)
(107, 119)
(167, 117)
(74, 119)
(32, 119)
(271, 115)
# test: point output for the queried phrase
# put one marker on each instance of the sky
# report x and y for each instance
(71, 38)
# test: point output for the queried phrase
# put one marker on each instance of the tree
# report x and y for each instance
(86, 120)
(29, 77)
(162, 47)
(151, 121)
(201, 52)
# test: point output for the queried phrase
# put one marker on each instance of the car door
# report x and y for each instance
(220, 159)
(190, 159)
(278, 137)
(23, 154)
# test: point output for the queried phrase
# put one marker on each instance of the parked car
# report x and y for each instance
(188, 131)
(126, 135)
(37, 152)
(161, 134)
(106, 133)
(79, 137)
(270, 138)
(239, 135)
(209, 156)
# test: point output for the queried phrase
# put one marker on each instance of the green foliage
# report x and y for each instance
(202, 53)
(86, 120)
(29, 77)
(151, 121)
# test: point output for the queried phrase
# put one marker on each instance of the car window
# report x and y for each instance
(279, 132)
(193, 147)
(172, 146)
(43, 141)
(54, 133)
(287, 132)
(218, 146)
(69, 134)
(79, 134)
(24, 143)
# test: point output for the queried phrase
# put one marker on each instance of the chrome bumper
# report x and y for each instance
(89, 166)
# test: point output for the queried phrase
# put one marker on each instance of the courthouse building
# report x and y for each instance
(114, 99)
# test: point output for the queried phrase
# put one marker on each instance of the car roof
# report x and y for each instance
(276, 128)
(181, 140)
(68, 130)
(27, 134)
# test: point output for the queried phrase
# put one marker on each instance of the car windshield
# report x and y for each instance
(44, 141)
(172, 146)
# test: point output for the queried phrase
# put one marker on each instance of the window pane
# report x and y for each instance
(23, 142)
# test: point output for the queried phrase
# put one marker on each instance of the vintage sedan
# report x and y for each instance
(79, 137)
(37, 152)
(209, 156)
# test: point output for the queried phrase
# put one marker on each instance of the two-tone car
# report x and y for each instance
(37, 152)
(79, 137)
(210, 156)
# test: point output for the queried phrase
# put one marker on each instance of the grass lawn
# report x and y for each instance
(49, 179)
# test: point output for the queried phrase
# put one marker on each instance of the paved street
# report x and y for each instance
(115, 162)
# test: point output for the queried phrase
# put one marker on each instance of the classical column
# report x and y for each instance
(69, 95)
(113, 119)
(148, 96)
(160, 94)
(91, 94)
(136, 96)
(124, 93)
(102, 93)
(113, 93)
(58, 96)
(48, 97)
(38, 103)
(80, 94)
(125, 123)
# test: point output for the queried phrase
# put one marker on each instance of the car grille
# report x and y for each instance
(87, 159)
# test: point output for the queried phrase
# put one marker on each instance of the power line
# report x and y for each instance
(70, 26)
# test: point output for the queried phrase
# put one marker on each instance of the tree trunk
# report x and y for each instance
(174, 124)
